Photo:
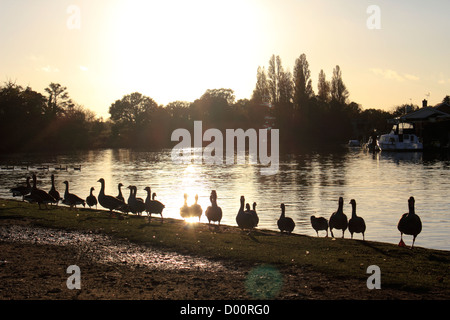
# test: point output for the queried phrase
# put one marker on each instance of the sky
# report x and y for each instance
(390, 52)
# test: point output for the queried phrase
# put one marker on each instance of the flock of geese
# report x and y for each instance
(409, 223)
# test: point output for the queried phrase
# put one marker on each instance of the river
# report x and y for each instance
(308, 184)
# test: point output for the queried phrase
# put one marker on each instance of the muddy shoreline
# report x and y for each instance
(34, 262)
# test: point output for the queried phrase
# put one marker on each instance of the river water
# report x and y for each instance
(308, 184)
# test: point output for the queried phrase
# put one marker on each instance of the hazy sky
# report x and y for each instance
(176, 49)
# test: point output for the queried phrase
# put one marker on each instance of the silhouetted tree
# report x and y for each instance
(303, 90)
(261, 92)
(323, 88)
(404, 109)
(131, 115)
(273, 78)
(338, 90)
(58, 99)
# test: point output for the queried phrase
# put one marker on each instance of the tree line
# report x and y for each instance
(52, 121)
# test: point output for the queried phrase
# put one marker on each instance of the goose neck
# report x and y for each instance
(353, 210)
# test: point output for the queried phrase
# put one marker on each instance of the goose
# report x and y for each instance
(184, 210)
(338, 219)
(196, 210)
(409, 223)
(252, 212)
(356, 224)
(213, 212)
(319, 223)
(53, 192)
(153, 205)
(136, 205)
(285, 223)
(91, 200)
(255, 214)
(77, 168)
(120, 195)
(110, 202)
(71, 199)
(21, 191)
(244, 219)
(38, 195)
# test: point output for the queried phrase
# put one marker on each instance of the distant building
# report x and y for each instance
(431, 124)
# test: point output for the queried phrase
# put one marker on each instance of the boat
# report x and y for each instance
(372, 145)
(401, 138)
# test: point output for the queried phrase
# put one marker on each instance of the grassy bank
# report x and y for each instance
(417, 270)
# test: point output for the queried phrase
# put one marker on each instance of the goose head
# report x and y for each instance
(352, 202)
(282, 206)
(411, 202)
(101, 180)
(247, 207)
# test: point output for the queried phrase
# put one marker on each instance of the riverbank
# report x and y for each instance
(219, 263)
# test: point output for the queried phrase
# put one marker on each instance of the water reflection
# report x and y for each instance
(309, 184)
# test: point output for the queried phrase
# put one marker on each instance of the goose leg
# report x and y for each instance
(332, 235)
(414, 239)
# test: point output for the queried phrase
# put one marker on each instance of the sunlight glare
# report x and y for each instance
(176, 49)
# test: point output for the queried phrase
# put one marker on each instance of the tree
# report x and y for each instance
(280, 86)
(133, 109)
(213, 107)
(323, 88)
(404, 109)
(58, 99)
(339, 92)
(225, 94)
(261, 92)
(178, 109)
(286, 88)
(303, 90)
(274, 74)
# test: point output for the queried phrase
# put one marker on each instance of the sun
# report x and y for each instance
(175, 50)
